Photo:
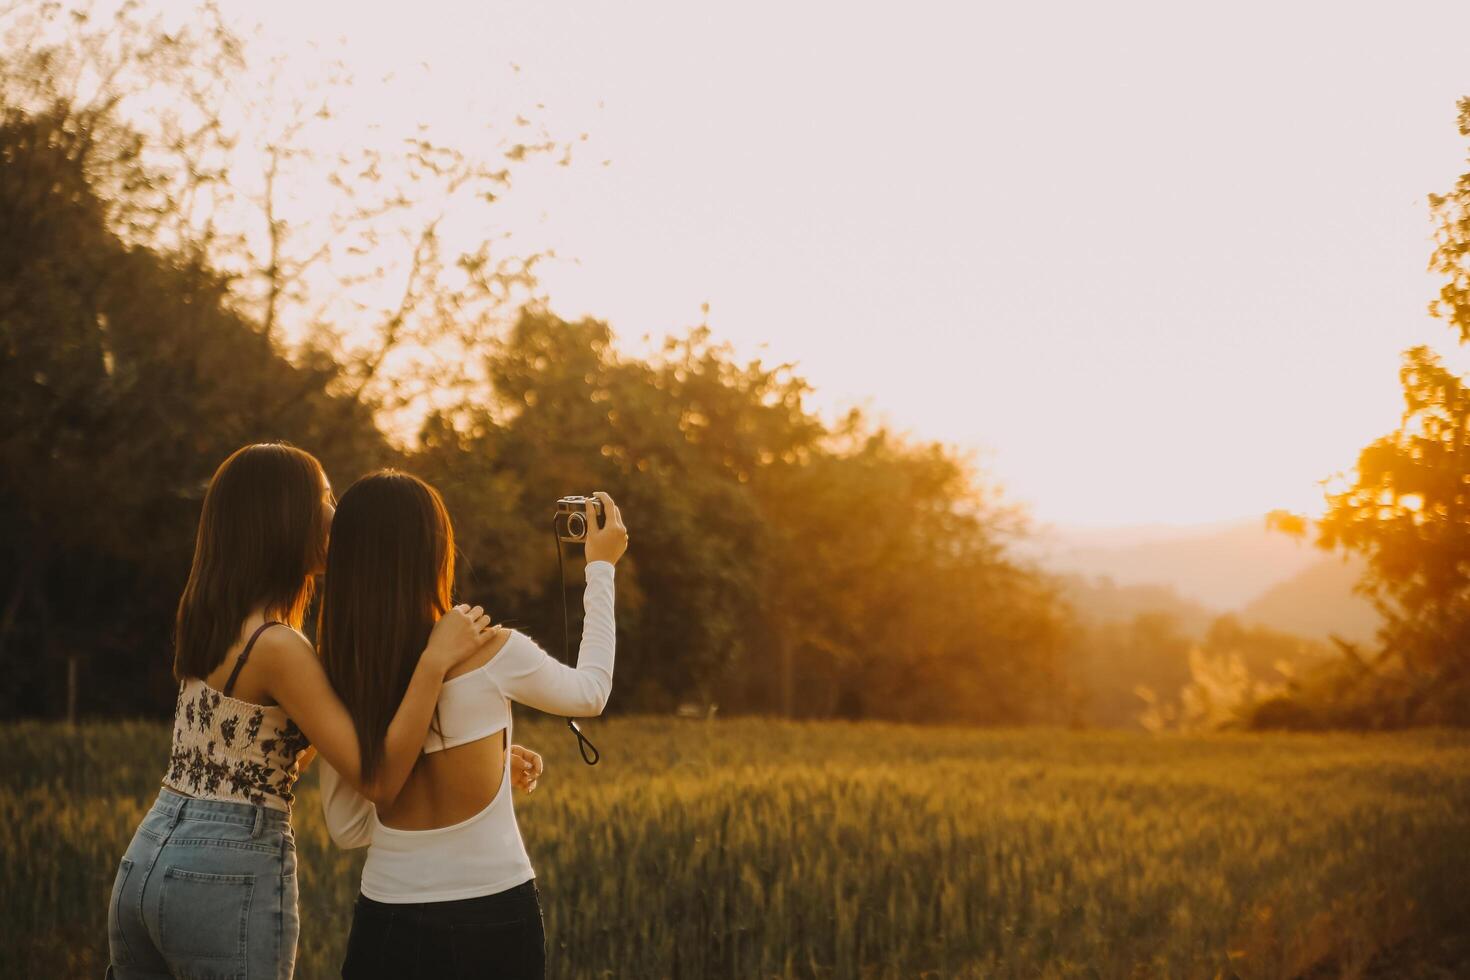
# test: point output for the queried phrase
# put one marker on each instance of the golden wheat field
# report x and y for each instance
(772, 849)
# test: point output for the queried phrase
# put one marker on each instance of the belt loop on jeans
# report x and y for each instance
(259, 824)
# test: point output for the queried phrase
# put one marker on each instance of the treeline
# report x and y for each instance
(779, 564)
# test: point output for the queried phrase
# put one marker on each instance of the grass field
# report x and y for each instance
(757, 849)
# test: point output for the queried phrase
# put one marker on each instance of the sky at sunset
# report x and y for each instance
(1153, 262)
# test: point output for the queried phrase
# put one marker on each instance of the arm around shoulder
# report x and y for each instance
(299, 683)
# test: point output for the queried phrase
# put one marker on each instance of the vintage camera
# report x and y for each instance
(571, 517)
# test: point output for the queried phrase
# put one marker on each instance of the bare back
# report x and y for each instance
(452, 785)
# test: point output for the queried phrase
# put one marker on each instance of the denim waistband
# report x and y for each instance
(221, 811)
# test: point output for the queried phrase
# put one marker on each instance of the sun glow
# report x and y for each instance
(1139, 284)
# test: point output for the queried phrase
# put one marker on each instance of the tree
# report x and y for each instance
(1407, 511)
(141, 317)
(571, 416)
(381, 246)
(125, 379)
(780, 564)
(1451, 258)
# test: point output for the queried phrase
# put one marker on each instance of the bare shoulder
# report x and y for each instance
(281, 661)
(282, 646)
(484, 655)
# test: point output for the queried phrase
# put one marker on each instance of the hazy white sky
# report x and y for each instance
(1153, 261)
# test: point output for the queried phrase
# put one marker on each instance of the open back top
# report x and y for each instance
(483, 854)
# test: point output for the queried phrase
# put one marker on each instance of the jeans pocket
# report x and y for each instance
(117, 942)
(204, 917)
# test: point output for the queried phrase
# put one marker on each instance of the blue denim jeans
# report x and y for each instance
(206, 891)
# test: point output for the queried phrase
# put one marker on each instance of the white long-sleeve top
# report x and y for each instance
(483, 854)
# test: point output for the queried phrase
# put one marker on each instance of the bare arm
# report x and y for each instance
(300, 685)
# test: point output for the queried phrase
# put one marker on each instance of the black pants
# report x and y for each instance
(499, 936)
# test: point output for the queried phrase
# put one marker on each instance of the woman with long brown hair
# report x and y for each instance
(447, 889)
(208, 884)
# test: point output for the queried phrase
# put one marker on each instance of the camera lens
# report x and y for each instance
(576, 525)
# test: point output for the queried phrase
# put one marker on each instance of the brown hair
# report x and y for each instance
(390, 573)
(262, 533)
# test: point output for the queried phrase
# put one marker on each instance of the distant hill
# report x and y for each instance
(1317, 601)
(1099, 599)
(1148, 595)
(1195, 572)
(1222, 565)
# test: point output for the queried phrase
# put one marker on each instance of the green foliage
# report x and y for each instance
(781, 564)
(1407, 513)
(1127, 665)
(125, 379)
(1154, 670)
(778, 849)
(1451, 257)
(795, 568)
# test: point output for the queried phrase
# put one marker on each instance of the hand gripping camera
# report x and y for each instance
(570, 523)
(571, 518)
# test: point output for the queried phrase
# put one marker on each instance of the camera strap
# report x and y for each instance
(590, 755)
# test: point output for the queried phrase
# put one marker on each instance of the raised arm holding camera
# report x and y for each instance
(448, 889)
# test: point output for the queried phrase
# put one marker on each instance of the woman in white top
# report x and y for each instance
(207, 886)
(447, 888)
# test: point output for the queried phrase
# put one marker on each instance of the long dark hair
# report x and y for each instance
(262, 533)
(390, 575)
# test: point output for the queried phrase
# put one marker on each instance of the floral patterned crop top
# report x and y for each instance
(232, 750)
